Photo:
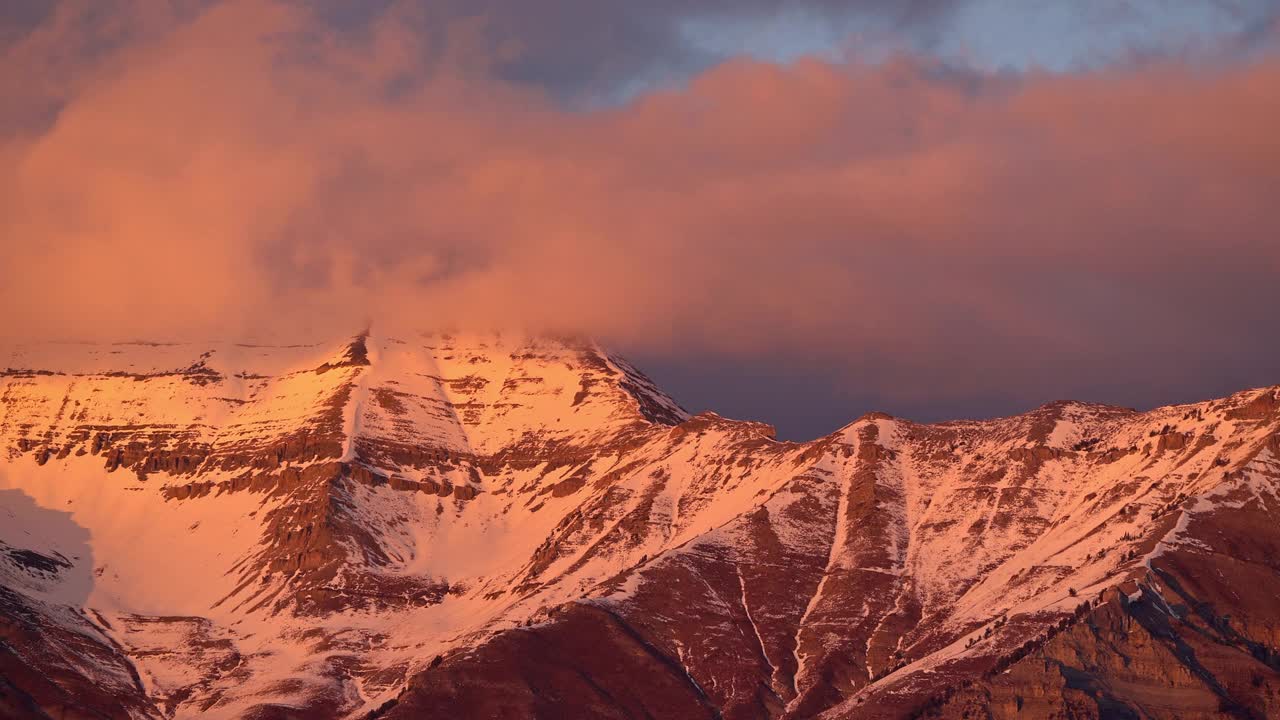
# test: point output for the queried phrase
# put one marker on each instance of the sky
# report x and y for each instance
(789, 211)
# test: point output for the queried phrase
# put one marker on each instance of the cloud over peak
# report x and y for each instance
(246, 168)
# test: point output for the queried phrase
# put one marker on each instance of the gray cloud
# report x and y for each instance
(585, 50)
(594, 48)
(578, 48)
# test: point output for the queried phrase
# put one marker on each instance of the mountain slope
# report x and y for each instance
(513, 527)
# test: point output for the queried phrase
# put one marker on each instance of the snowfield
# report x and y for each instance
(221, 530)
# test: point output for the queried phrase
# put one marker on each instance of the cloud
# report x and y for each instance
(591, 47)
(246, 169)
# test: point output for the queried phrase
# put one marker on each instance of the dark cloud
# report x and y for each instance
(582, 50)
(577, 44)
(590, 51)
(577, 48)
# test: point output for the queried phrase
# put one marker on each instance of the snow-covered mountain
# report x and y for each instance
(497, 526)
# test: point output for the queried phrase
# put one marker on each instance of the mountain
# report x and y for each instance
(509, 527)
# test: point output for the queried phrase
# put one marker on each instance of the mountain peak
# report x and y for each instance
(332, 527)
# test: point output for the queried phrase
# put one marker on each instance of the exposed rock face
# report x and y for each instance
(500, 527)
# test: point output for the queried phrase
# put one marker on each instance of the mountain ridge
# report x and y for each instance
(385, 525)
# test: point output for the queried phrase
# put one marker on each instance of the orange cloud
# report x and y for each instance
(246, 171)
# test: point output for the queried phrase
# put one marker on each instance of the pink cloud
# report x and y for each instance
(247, 171)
